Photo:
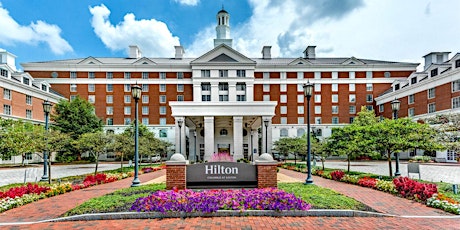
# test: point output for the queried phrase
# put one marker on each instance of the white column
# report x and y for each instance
(192, 145)
(232, 91)
(208, 137)
(180, 136)
(254, 144)
(237, 138)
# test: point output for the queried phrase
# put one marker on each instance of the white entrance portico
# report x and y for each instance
(229, 127)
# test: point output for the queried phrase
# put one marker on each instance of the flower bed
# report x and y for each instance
(447, 204)
(212, 200)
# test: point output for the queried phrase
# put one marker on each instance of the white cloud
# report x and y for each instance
(153, 37)
(188, 2)
(34, 33)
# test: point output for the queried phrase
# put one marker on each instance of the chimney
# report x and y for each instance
(309, 52)
(179, 52)
(134, 52)
(266, 52)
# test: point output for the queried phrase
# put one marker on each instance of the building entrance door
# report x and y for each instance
(223, 148)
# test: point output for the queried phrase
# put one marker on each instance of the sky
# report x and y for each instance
(391, 30)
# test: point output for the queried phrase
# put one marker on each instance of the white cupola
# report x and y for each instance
(223, 29)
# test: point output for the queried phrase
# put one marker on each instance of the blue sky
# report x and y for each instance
(388, 30)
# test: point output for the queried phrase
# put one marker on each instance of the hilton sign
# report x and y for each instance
(221, 174)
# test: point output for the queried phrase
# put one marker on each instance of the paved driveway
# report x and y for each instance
(435, 172)
(32, 174)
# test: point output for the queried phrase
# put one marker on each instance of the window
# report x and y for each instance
(180, 88)
(223, 86)
(411, 99)
(335, 109)
(335, 75)
(434, 72)
(109, 110)
(283, 98)
(300, 109)
(369, 98)
(180, 75)
(223, 97)
(369, 107)
(335, 98)
(431, 93)
(299, 88)
(109, 121)
(109, 75)
(145, 110)
(241, 86)
(4, 72)
(241, 73)
(456, 86)
(162, 88)
(145, 98)
(91, 75)
(317, 98)
(299, 75)
(413, 80)
(127, 88)
(28, 99)
(45, 88)
(369, 74)
(381, 108)
(300, 132)
(335, 120)
(369, 87)
(397, 87)
(223, 132)
(283, 87)
(317, 109)
(205, 97)
(109, 88)
(127, 110)
(206, 86)
(411, 112)
(240, 97)
(92, 99)
(300, 98)
(205, 73)
(180, 97)
(267, 97)
(351, 87)
(283, 75)
(73, 97)
(26, 81)
(162, 110)
(457, 63)
(145, 75)
(284, 132)
(73, 75)
(127, 75)
(317, 120)
(7, 109)
(335, 87)
(283, 120)
(73, 88)
(162, 121)
(127, 99)
(266, 75)
(163, 133)
(127, 121)
(317, 75)
(300, 120)
(283, 109)
(352, 119)
(223, 73)
(266, 88)
(28, 114)
(109, 99)
(91, 88)
(352, 98)
(352, 109)
(317, 87)
(455, 102)
(351, 75)
(162, 98)
(145, 88)
(162, 75)
(431, 108)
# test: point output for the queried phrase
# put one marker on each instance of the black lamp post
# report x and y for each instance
(395, 105)
(266, 135)
(194, 151)
(136, 91)
(308, 91)
(179, 123)
(47, 109)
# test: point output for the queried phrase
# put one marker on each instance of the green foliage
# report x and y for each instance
(322, 198)
(18, 137)
(95, 144)
(117, 201)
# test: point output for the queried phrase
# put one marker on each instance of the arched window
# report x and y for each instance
(283, 132)
(300, 132)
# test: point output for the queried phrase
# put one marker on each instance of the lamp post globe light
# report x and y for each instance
(308, 91)
(266, 135)
(136, 91)
(395, 105)
(46, 109)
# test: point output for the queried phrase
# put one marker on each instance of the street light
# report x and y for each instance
(194, 151)
(266, 135)
(47, 109)
(136, 91)
(179, 123)
(395, 104)
(308, 91)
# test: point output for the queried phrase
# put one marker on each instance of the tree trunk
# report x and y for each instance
(295, 158)
(121, 163)
(97, 163)
(322, 162)
(389, 162)
(348, 159)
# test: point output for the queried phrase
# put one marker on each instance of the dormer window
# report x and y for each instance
(413, 80)
(45, 88)
(4, 72)
(26, 81)
(396, 87)
(434, 72)
(457, 63)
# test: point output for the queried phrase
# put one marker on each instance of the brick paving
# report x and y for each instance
(53, 207)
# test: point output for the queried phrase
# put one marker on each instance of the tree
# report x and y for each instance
(75, 118)
(95, 144)
(448, 129)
